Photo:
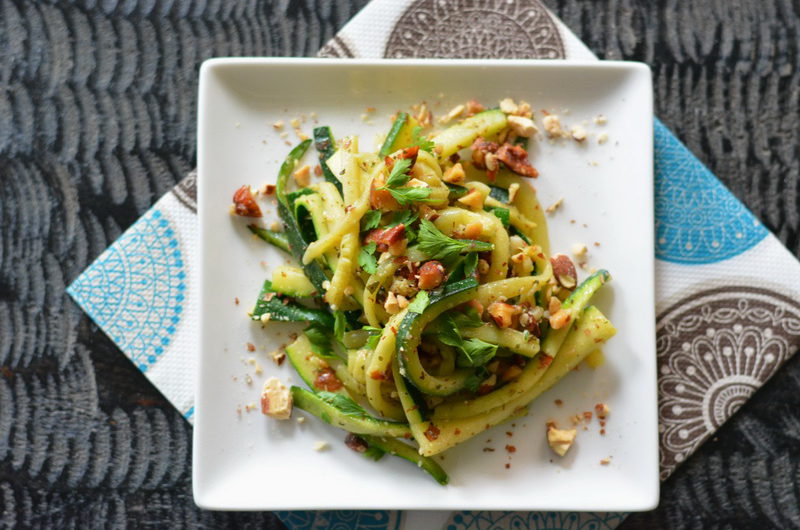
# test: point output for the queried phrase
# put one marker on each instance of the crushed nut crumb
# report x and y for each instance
(602, 138)
(578, 133)
(321, 446)
(555, 206)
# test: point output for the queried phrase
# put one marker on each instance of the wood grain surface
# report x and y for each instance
(97, 120)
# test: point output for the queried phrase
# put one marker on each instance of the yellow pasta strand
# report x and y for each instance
(379, 363)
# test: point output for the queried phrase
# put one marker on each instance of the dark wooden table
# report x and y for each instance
(97, 120)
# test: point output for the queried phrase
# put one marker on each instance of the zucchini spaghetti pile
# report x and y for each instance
(424, 276)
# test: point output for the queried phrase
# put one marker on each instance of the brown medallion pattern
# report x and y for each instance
(715, 349)
(186, 191)
(336, 48)
(475, 29)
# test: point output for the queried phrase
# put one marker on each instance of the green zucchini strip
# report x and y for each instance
(306, 363)
(270, 306)
(297, 245)
(509, 339)
(407, 452)
(323, 141)
(394, 137)
(276, 239)
(341, 411)
(461, 135)
(574, 304)
(410, 332)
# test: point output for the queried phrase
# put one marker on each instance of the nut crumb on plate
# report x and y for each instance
(605, 461)
(321, 446)
(602, 410)
(560, 440)
(552, 125)
(578, 133)
(555, 206)
(276, 400)
(602, 138)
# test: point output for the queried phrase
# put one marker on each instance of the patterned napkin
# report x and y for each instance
(726, 288)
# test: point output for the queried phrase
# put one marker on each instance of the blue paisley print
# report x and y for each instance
(698, 220)
(341, 520)
(135, 290)
(534, 521)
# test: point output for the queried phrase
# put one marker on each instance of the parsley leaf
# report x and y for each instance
(339, 325)
(320, 340)
(421, 141)
(408, 195)
(374, 336)
(471, 352)
(370, 220)
(503, 214)
(420, 302)
(366, 258)
(343, 404)
(474, 381)
(436, 245)
(399, 175)
(468, 319)
(476, 353)
(470, 264)
(403, 217)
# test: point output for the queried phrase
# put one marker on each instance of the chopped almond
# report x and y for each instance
(502, 313)
(512, 191)
(602, 410)
(578, 133)
(303, 176)
(431, 275)
(454, 113)
(244, 204)
(552, 125)
(555, 206)
(508, 106)
(560, 318)
(473, 230)
(564, 271)
(455, 174)
(474, 199)
(554, 305)
(392, 306)
(276, 400)
(402, 301)
(522, 126)
(474, 107)
(560, 440)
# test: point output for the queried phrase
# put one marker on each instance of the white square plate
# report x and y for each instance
(248, 461)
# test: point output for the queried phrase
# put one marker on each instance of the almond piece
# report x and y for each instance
(474, 199)
(564, 271)
(276, 400)
(560, 440)
(455, 174)
(502, 313)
